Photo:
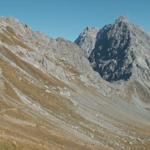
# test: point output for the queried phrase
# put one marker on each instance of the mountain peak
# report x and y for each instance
(48, 88)
(90, 29)
(87, 39)
(122, 19)
(118, 48)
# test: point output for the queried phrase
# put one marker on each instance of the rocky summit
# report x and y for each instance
(55, 94)
(121, 51)
(87, 40)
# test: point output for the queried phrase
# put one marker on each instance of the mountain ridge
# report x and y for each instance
(87, 39)
(124, 30)
(51, 98)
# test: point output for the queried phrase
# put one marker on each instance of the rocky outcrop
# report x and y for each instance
(87, 39)
(120, 50)
(51, 98)
(112, 56)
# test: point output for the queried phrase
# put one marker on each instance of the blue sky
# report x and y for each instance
(67, 18)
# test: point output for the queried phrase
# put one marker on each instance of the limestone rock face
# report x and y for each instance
(87, 39)
(51, 98)
(112, 56)
(121, 51)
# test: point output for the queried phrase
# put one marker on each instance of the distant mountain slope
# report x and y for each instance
(50, 97)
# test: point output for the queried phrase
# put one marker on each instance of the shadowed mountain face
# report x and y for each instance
(111, 56)
(117, 50)
(51, 98)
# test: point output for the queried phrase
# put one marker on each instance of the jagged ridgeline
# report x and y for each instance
(120, 50)
(53, 95)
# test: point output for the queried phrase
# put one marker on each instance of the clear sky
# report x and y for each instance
(67, 18)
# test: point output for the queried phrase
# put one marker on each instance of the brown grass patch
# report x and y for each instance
(9, 37)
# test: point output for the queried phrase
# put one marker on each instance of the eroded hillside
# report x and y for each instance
(50, 98)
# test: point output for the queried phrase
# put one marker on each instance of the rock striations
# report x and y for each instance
(51, 98)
